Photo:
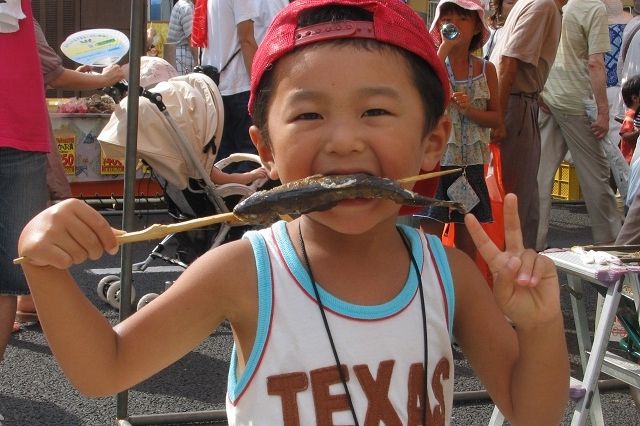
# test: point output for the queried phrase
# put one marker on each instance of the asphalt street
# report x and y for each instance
(34, 391)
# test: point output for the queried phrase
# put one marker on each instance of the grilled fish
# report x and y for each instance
(318, 193)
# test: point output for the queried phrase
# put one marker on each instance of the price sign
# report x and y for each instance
(110, 166)
(67, 149)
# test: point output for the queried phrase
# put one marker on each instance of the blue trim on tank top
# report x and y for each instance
(236, 386)
(361, 312)
(442, 261)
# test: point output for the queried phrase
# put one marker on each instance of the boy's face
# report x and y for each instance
(342, 109)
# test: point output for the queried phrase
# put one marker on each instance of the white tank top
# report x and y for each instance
(291, 376)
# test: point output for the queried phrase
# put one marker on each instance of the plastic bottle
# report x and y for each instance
(450, 31)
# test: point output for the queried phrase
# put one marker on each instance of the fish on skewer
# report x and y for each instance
(314, 193)
(318, 193)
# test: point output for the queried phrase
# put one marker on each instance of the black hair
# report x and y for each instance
(496, 19)
(630, 88)
(427, 82)
(452, 8)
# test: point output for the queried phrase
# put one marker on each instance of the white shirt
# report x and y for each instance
(10, 14)
(223, 17)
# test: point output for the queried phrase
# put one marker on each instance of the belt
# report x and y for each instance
(533, 95)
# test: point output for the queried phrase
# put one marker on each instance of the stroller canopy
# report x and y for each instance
(195, 104)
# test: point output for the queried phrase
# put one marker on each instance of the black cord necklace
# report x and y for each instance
(329, 335)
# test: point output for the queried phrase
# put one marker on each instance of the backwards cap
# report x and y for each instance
(393, 23)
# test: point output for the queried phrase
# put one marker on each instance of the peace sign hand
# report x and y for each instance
(525, 285)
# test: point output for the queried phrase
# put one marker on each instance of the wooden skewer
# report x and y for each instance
(428, 175)
(158, 231)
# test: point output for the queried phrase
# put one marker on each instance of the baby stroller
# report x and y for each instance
(180, 124)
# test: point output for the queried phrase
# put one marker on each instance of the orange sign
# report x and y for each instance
(67, 149)
(110, 166)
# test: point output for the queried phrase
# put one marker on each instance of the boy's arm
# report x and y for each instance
(524, 368)
(101, 360)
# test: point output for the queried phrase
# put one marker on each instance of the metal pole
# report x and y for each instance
(135, 52)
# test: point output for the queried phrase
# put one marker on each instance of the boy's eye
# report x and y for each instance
(375, 112)
(308, 116)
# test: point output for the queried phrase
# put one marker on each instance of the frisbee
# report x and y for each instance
(97, 47)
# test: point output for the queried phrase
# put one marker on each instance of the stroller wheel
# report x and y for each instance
(146, 299)
(104, 284)
(113, 295)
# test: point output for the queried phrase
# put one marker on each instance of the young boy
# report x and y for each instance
(345, 316)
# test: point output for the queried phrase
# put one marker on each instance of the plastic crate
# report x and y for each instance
(565, 184)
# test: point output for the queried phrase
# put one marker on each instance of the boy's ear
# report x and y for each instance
(264, 151)
(435, 143)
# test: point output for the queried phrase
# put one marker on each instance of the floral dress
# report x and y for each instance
(472, 147)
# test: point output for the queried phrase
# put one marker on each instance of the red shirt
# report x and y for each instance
(23, 112)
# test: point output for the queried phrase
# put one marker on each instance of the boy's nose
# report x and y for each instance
(344, 139)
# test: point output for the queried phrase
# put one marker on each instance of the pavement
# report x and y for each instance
(34, 391)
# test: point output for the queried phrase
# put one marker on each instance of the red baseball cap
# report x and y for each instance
(393, 23)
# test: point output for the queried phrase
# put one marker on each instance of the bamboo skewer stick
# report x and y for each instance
(428, 175)
(157, 231)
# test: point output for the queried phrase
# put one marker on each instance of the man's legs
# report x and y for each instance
(235, 136)
(552, 151)
(520, 153)
(592, 167)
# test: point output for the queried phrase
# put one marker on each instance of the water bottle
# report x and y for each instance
(450, 31)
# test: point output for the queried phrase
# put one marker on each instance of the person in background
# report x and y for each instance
(629, 57)
(24, 144)
(629, 132)
(574, 117)
(58, 77)
(630, 232)
(613, 59)
(523, 57)
(180, 26)
(618, 19)
(234, 30)
(495, 20)
(473, 111)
